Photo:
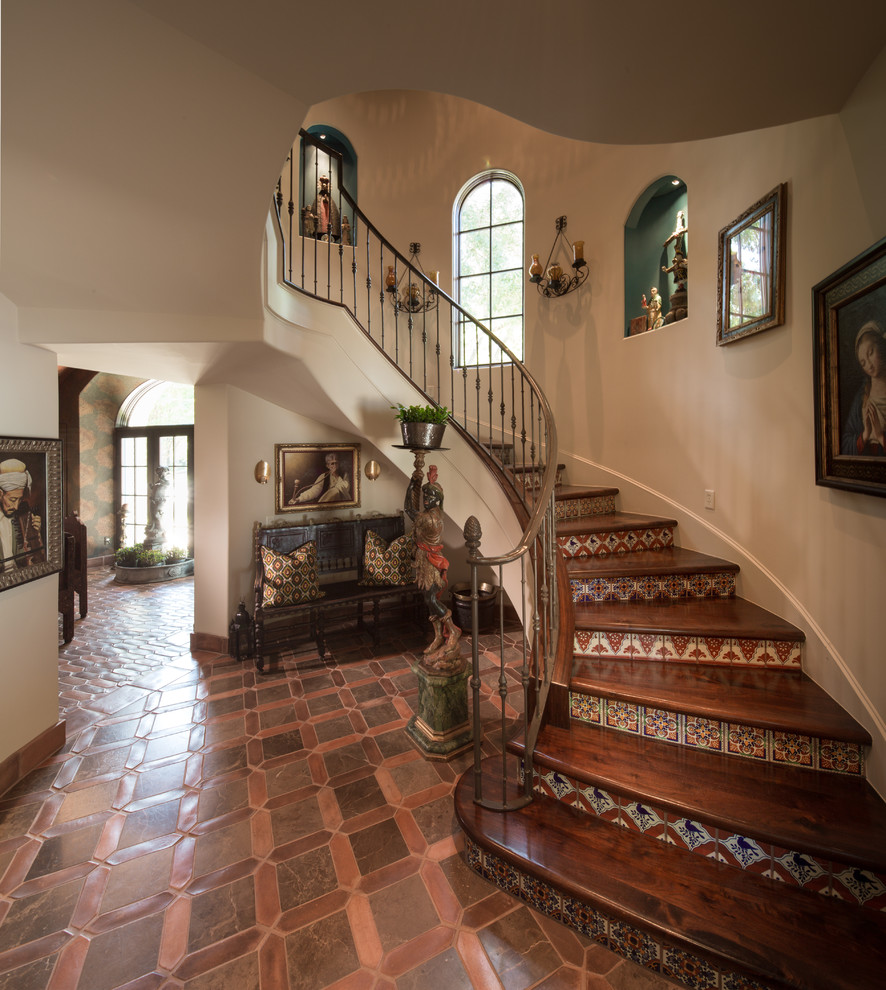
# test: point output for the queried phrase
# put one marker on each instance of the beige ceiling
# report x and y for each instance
(141, 138)
(628, 72)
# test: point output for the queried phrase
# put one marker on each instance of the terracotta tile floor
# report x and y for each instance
(205, 827)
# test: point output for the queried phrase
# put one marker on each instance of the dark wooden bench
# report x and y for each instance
(340, 548)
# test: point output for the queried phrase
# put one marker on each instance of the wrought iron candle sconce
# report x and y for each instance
(551, 280)
(416, 296)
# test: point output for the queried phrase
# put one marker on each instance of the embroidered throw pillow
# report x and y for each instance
(290, 578)
(385, 563)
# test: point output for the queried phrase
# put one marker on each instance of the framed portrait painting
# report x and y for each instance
(317, 476)
(849, 319)
(30, 510)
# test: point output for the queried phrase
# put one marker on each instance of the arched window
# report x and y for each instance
(155, 429)
(488, 264)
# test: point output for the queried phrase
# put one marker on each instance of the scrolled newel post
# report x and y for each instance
(473, 535)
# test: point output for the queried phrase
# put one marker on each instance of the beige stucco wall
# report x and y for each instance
(29, 640)
(669, 414)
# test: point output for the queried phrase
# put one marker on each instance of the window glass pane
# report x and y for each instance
(507, 247)
(474, 210)
(127, 481)
(140, 452)
(141, 483)
(473, 294)
(507, 293)
(473, 252)
(164, 404)
(127, 450)
(507, 203)
(510, 333)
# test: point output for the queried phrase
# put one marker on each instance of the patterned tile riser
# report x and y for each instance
(650, 587)
(573, 508)
(623, 541)
(619, 936)
(750, 742)
(606, 645)
(792, 867)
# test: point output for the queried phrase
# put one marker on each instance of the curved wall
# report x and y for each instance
(669, 412)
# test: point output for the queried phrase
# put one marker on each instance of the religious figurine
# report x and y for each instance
(345, 230)
(308, 222)
(325, 210)
(653, 309)
(424, 506)
(681, 262)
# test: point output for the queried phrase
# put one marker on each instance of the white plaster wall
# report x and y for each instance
(29, 640)
(669, 414)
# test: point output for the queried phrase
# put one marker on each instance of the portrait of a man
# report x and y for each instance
(22, 510)
(311, 476)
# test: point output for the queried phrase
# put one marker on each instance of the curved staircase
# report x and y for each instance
(700, 803)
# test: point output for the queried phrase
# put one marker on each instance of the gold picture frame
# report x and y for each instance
(751, 269)
(306, 477)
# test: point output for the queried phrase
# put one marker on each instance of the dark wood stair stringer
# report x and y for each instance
(695, 904)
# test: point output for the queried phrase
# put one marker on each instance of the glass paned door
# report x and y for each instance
(141, 450)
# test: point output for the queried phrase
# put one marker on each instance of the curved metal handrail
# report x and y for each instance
(529, 479)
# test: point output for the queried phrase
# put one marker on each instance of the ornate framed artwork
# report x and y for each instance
(317, 476)
(30, 509)
(849, 322)
(751, 269)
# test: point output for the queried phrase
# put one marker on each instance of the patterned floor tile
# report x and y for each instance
(205, 826)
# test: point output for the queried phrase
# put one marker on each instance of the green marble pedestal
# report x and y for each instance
(441, 728)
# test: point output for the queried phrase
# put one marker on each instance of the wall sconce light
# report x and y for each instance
(416, 296)
(262, 472)
(372, 470)
(552, 280)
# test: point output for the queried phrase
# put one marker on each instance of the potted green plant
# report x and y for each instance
(139, 564)
(422, 426)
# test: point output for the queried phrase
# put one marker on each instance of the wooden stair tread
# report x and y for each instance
(785, 936)
(774, 699)
(611, 522)
(670, 560)
(565, 492)
(834, 817)
(712, 617)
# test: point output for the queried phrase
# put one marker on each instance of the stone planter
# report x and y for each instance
(427, 436)
(150, 575)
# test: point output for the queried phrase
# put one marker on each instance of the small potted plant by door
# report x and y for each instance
(422, 426)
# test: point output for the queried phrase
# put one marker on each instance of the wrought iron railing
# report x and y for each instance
(332, 251)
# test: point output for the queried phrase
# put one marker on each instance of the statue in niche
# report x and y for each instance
(681, 262)
(653, 309)
(326, 211)
(308, 222)
(345, 230)
(679, 269)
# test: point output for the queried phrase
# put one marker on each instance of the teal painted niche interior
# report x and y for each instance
(652, 220)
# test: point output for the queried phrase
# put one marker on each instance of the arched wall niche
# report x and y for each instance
(650, 223)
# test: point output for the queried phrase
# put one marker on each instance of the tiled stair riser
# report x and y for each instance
(792, 867)
(595, 505)
(605, 645)
(750, 742)
(640, 947)
(622, 541)
(720, 584)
